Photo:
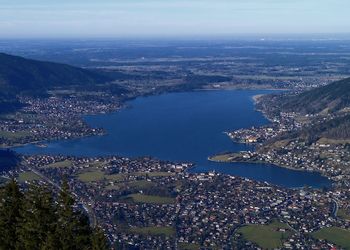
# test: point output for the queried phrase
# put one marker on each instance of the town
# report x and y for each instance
(326, 156)
(53, 118)
(148, 203)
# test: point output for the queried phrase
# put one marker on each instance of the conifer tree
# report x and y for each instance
(36, 221)
(98, 240)
(66, 219)
(82, 230)
(11, 201)
(52, 242)
(38, 218)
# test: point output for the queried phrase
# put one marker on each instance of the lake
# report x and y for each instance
(182, 127)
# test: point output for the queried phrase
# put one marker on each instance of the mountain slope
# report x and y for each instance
(20, 75)
(329, 98)
(336, 129)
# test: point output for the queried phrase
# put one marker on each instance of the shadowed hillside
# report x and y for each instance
(330, 98)
(22, 75)
(337, 129)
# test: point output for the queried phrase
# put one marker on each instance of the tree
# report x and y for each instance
(52, 242)
(73, 227)
(98, 240)
(82, 231)
(11, 204)
(34, 220)
(66, 220)
(38, 218)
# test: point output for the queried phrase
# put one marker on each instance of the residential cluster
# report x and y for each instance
(273, 145)
(151, 204)
(53, 118)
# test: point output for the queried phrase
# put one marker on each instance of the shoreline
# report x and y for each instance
(255, 99)
(44, 143)
(124, 105)
(210, 158)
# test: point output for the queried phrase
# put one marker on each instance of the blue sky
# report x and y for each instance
(130, 18)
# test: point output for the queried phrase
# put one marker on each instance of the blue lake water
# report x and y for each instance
(182, 127)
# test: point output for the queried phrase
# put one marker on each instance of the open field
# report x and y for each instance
(278, 144)
(223, 157)
(234, 157)
(338, 236)
(61, 164)
(167, 231)
(266, 236)
(140, 198)
(12, 136)
(91, 176)
(342, 213)
(142, 184)
(96, 164)
(116, 177)
(189, 246)
(156, 174)
(28, 176)
(120, 177)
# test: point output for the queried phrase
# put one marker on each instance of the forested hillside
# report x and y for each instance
(37, 219)
(18, 74)
(334, 129)
(329, 98)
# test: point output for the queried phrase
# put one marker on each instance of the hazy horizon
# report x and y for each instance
(177, 18)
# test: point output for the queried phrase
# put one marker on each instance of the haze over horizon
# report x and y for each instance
(141, 18)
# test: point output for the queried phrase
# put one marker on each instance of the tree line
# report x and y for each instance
(36, 219)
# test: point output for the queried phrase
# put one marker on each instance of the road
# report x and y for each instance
(87, 208)
(335, 208)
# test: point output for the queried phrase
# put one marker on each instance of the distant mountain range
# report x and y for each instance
(330, 98)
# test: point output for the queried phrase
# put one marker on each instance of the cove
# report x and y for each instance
(181, 127)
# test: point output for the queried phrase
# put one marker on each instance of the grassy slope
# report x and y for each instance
(140, 184)
(90, 176)
(167, 231)
(266, 236)
(152, 199)
(338, 236)
(28, 176)
(61, 164)
(189, 246)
